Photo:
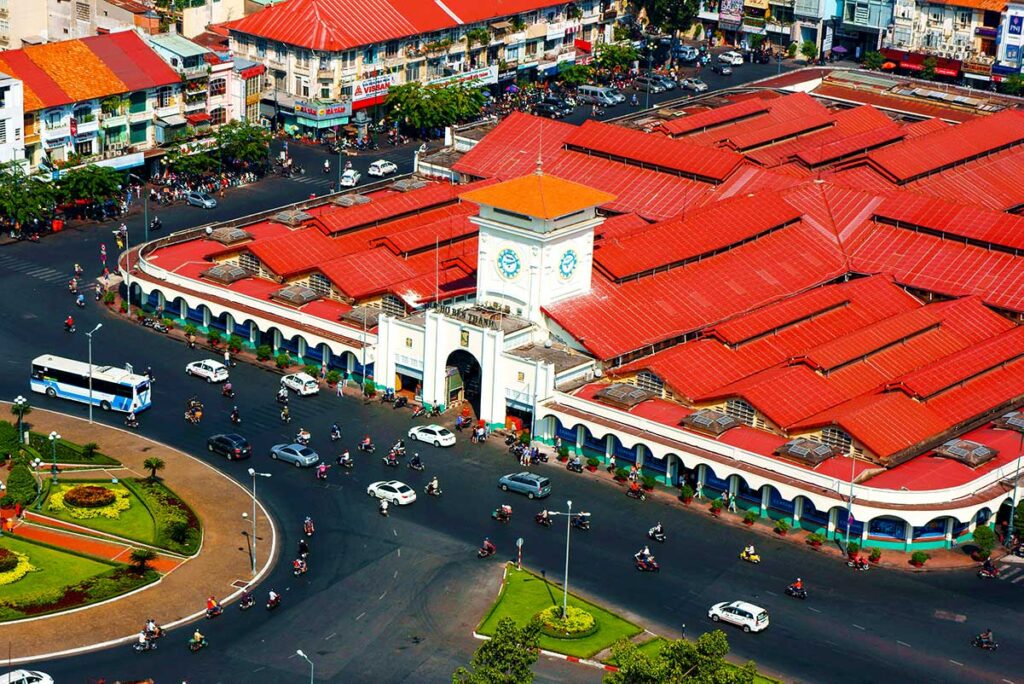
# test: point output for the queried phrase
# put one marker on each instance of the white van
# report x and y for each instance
(597, 95)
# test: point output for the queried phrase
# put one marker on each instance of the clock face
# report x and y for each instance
(567, 264)
(508, 263)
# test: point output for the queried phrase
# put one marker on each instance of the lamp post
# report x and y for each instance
(145, 205)
(312, 669)
(2, 488)
(89, 336)
(849, 504)
(53, 452)
(1016, 483)
(650, 58)
(568, 531)
(36, 464)
(20, 403)
(254, 474)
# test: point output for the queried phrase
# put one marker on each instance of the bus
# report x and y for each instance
(117, 389)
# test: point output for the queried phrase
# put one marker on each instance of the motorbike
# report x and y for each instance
(656, 536)
(366, 448)
(541, 520)
(214, 612)
(649, 565)
(307, 528)
(431, 491)
(750, 557)
(416, 466)
(581, 523)
(321, 473)
(985, 573)
(195, 646)
(978, 642)
(638, 494)
(400, 402)
(796, 593)
(69, 327)
(142, 648)
(501, 515)
(80, 301)
(302, 439)
(155, 633)
(419, 412)
(485, 551)
(300, 570)
(857, 565)
(282, 398)
(383, 507)
(247, 602)
(335, 435)
(286, 418)
(390, 460)
(574, 467)
(274, 602)
(228, 392)
(235, 418)
(130, 423)
(510, 439)
(346, 462)
(387, 397)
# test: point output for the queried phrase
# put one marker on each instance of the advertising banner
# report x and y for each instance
(480, 77)
(323, 110)
(372, 87)
(730, 13)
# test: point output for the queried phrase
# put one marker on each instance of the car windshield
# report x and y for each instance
(444, 432)
(762, 616)
(304, 451)
(403, 489)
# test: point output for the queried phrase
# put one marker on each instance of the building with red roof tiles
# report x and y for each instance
(344, 55)
(74, 86)
(746, 320)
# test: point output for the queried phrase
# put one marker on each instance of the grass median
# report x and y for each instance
(525, 594)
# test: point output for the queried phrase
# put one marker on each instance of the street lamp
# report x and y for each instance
(254, 474)
(53, 451)
(849, 504)
(312, 669)
(36, 463)
(1013, 505)
(568, 530)
(89, 335)
(145, 205)
(20, 404)
(650, 58)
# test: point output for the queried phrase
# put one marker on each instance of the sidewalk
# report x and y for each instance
(220, 568)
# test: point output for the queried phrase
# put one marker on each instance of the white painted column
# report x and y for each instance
(229, 324)
(798, 510)
(702, 477)
(766, 495)
(949, 532)
(641, 455)
(301, 346)
(384, 366)
(908, 535)
(832, 516)
(206, 317)
(254, 334)
(492, 388)
(276, 340)
(580, 434)
(609, 447)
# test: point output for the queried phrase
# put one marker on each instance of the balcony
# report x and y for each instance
(170, 109)
(114, 120)
(196, 105)
(137, 115)
(56, 131)
(87, 125)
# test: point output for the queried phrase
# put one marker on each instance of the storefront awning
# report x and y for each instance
(583, 45)
(501, 25)
(172, 120)
(197, 118)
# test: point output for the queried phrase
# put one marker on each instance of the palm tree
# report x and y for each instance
(141, 558)
(152, 465)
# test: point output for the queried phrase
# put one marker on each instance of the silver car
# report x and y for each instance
(200, 199)
(300, 456)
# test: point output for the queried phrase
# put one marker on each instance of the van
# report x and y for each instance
(686, 53)
(597, 95)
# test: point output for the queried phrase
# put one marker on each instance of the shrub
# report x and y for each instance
(109, 297)
(750, 517)
(593, 462)
(8, 438)
(563, 452)
(89, 450)
(686, 492)
(55, 501)
(791, 49)
(124, 306)
(876, 553)
(919, 558)
(781, 526)
(190, 329)
(21, 486)
(717, 505)
(369, 388)
(141, 558)
(177, 530)
(8, 561)
(311, 369)
(264, 352)
(524, 438)
(21, 567)
(168, 323)
(815, 539)
(89, 496)
(214, 336)
(576, 624)
(235, 344)
(853, 549)
(648, 481)
(283, 360)
(985, 539)
(333, 377)
(621, 474)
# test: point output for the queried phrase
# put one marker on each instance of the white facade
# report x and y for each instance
(12, 120)
(22, 22)
(70, 19)
(1011, 35)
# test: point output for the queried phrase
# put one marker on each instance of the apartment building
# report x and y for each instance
(12, 124)
(22, 22)
(93, 100)
(326, 59)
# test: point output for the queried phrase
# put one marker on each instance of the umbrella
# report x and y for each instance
(512, 89)
(888, 66)
(839, 50)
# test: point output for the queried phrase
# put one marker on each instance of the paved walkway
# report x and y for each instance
(223, 559)
(83, 543)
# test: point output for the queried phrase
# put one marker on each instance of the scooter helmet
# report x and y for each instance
(799, 580)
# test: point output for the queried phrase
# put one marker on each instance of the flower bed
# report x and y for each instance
(18, 570)
(89, 496)
(8, 560)
(577, 624)
(58, 502)
(177, 526)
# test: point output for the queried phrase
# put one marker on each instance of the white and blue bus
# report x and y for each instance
(113, 388)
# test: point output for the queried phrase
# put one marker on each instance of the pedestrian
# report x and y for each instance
(611, 463)
(103, 254)
(227, 358)
(732, 503)
(699, 491)
(634, 473)
(323, 372)
(558, 443)
(339, 387)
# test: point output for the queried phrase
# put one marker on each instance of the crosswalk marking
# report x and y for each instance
(1009, 573)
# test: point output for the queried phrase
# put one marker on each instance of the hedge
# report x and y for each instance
(67, 452)
(21, 486)
(177, 527)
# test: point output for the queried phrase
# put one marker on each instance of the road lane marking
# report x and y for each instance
(360, 616)
(396, 574)
(814, 609)
(771, 593)
(394, 532)
(330, 636)
(381, 597)
(903, 643)
(956, 662)
(859, 627)
(399, 552)
(1016, 579)
(1009, 573)
(1007, 681)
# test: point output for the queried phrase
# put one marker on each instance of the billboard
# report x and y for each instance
(730, 13)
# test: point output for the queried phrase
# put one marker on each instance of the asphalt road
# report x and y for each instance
(384, 598)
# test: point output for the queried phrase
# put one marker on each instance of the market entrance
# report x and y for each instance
(463, 377)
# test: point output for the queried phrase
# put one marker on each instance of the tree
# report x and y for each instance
(693, 662)
(89, 450)
(90, 182)
(243, 142)
(928, 68)
(141, 558)
(504, 659)
(193, 164)
(809, 49)
(873, 60)
(23, 197)
(477, 35)
(574, 74)
(670, 16)
(611, 56)
(985, 539)
(423, 107)
(1013, 85)
(21, 409)
(153, 465)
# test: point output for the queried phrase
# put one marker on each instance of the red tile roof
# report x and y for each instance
(884, 100)
(367, 273)
(912, 211)
(654, 151)
(989, 182)
(925, 154)
(336, 25)
(676, 241)
(513, 147)
(786, 117)
(714, 117)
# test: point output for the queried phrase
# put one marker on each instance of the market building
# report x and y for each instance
(93, 100)
(327, 59)
(813, 305)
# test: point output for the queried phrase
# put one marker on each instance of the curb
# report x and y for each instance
(182, 621)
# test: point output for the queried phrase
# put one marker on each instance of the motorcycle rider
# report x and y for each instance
(69, 323)
(212, 605)
(657, 531)
(197, 637)
(335, 431)
(321, 471)
(80, 300)
(987, 637)
(303, 548)
(383, 507)
(273, 598)
(988, 567)
(235, 416)
(131, 419)
(286, 416)
(488, 547)
(303, 437)
(345, 459)
(797, 586)
(579, 520)
(307, 525)
(226, 390)
(634, 488)
(299, 566)
(144, 641)
(433, 487)
(504, 513)
(415, 461)
(543, 517)
(576, 462)
(366, 443)
(643, 555)
(152, 628)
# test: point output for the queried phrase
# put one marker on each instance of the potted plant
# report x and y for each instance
(985, 540)
(592, 464)
(648, 482)
(264, 352)
(876, 555)
(168, 323)
(369, 388)
(141, 316)
(235, 344)
(815, 540)
(686, 494)
(190, 329)
(283, 360)
(781, 527)
(213, 337)
(749, 518)
(109, 297)
(333, 377)
(124, 306)
(853, 549)
(311, 369)
(563, 454)
(716, 507)
(621, 474)
(919, 558)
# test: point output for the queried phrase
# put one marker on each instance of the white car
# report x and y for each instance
(740, 613)
(26, 677)
(302, 383)
(432, 434)
(213, 371)
(350, 178)
(694, 84)
(395, 492)
(731, 57)
(382, 167)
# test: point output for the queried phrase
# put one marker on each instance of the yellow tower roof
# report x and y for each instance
(539, 195)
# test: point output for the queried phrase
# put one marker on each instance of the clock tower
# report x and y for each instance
(536, 243)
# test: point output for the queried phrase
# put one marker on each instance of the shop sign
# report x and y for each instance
(323, 110)
(559, 29)
(1015, 24)
(372, 87)
(945, 71)
(54, 143)
(730, 12)
(74, 126)
(482, 76)
(826, 44)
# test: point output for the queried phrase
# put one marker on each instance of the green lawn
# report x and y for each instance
(525, 595)
(56, 569)
(135, 523)
(653, 647)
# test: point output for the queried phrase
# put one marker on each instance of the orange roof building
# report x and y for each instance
(540, 196)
